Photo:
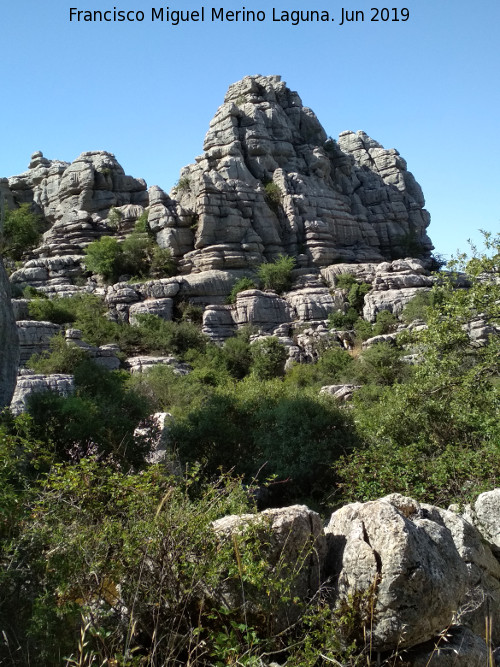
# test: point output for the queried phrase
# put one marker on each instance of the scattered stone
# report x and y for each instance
(31, 383)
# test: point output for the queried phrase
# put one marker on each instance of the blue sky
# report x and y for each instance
(146, 91)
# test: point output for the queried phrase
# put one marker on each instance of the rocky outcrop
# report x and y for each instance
(75, 199)
(425, 576)
(34, 337)
(291, 541)
(9, 342)
(270, 181)
(406, 561)
(32, 383)
(143, 363)
(342, 392)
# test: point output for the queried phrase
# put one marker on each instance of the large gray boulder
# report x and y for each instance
(34, 383)
(456, 647)
(9, 342)
(393, 551)
(291, 543)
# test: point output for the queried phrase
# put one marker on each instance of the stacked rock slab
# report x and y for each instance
(270, 181)
(9, 343)
(75, 199)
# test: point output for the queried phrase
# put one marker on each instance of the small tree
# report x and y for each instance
(21, 231)
(277, 275)
(101, 257)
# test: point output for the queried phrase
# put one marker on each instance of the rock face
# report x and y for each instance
(292, 543)
(270, 181)
(9, 342)
(75, 199)
(389, 549)
(427, 574)
(35, 383)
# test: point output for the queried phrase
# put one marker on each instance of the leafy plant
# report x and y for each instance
(21, 231)
(240, 285)
(273, 196)
(277, 275)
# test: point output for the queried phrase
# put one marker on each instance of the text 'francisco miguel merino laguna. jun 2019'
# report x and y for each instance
(205, 14)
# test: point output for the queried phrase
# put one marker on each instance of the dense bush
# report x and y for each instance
(138, 255)
(100, 418)
(269, 427)
(239, 286)
(268, 358)
(277, 275)
(22, 230)
(62, 357)
(101, 257)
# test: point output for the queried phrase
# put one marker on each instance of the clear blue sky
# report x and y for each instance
(146, 91)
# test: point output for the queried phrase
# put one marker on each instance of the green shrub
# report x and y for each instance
(381, 364)
(163, 263)
(162, 337)
(114, 218)
(54, 310)
(273, 196)
(190, 312)
(268, 425)
(183, 184)
(63, 357)
(268, 358)
(100, 418)
(417, 308)
(21, 231)
(277, 276)
(385, 323)
(342, 321)
(240, 285)
(102, 256)
(356, 296)
(345, 281)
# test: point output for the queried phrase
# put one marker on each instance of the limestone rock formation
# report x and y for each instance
(34, 337)
(406, 560)
(292, 542)
(9, 343)
(75, 199)
(270, 181)
(32, 383)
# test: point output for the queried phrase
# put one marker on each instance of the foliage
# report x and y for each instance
(100, 417)
(450, 402)
(190, 312)
(277, 275)
(128, 558)
(21, 231)
(273, 196)
(62, 357)
(114, 218)
(240, 285)
(101, 256)
(270, 426)
(183, 184)
(55, 310)
(268, 358)
(138, 255)
(416, 309)
(341, 321)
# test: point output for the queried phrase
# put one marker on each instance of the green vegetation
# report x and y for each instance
(107, 560)
(240, 285)
(139, 255)
(273, 196)
(22, 230)
(277, 275)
